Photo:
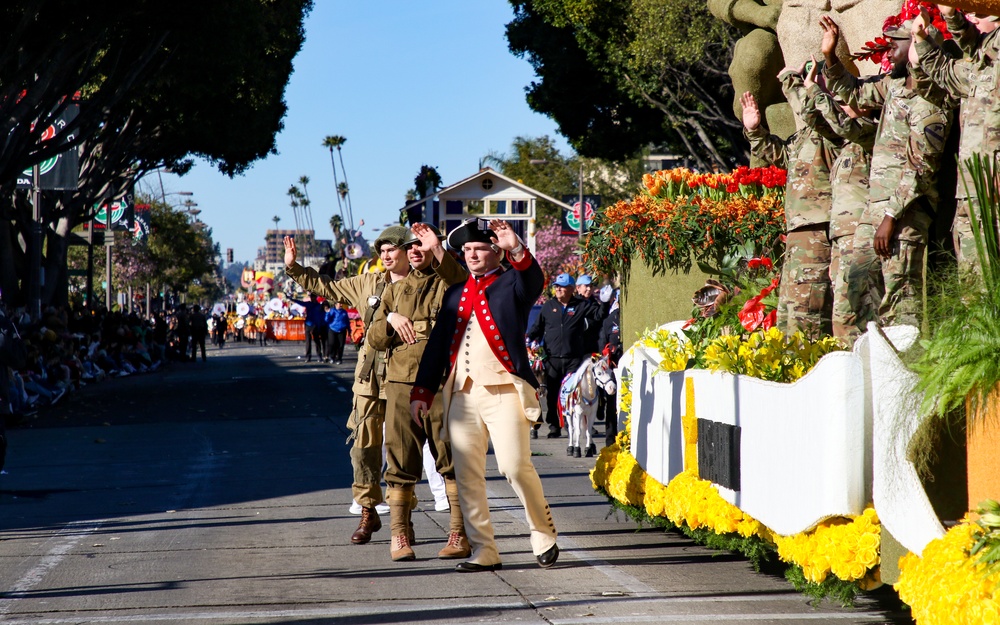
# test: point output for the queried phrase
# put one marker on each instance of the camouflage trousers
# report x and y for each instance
(365, 423)
(805, 298)
(887, 290)
(845, 318)
(961, 233)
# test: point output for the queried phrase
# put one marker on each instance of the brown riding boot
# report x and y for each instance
(370, 523)
(458, 544)
(400, 499)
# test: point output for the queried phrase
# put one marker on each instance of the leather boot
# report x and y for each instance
(400, 499)
(370, 523)
(458, 544)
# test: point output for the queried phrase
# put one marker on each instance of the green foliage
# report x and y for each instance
(832, 587)
(987, 546)
(959, 362)
(617, 75)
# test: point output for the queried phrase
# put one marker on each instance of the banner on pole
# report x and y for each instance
(571, 218)
(62, 171)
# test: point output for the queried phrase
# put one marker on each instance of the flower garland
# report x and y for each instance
(847, 548)
(946, 586)
(683, 217)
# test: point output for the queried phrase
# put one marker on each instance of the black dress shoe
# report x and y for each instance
(548, 558)
(554, 434)
(534, 432)
(472, 567)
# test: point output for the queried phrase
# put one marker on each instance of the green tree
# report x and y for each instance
(618, 75)
(160, 82)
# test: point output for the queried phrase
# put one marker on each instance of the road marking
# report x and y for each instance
(66, 540)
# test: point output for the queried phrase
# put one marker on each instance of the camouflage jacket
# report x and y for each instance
(970, 41)
(910, 138)
(849, 174)
(976, 81)
(357, 291)
(808, 156)
(418, 297)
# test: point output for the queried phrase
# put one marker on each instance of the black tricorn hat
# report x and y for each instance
(473, 230)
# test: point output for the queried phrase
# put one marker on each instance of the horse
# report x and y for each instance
(578, 401)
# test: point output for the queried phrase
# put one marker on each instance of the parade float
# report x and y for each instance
(784, 447)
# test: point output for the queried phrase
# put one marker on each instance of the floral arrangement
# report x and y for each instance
(846, 548)
(768, 354)
(683, 217)
(947, 585)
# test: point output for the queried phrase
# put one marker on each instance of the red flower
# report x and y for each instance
(754, 314)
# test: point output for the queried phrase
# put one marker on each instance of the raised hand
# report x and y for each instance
(290, 252)
(751, 114)
(831, 34)
(506, 238)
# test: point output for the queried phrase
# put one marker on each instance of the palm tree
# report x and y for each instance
(293, 199)
(338, 141)
(331, 142)
(306, 202)
(275, 219)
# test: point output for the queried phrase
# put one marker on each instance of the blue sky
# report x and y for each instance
(407, 84)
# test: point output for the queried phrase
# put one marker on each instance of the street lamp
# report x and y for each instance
(583, 211)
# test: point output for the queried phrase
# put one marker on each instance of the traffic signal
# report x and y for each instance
(229, 255)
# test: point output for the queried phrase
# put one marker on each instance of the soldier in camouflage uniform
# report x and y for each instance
(976, 81)
(363, 292)
(805, 296)
(891, 238)
(402, 326)
(849, 182)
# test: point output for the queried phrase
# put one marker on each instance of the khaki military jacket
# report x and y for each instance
(910, 139)
(808, 155)
(975, 80)
(849, 174)
(355, 291)
(417, 297)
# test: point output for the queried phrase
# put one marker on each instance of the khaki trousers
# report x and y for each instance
(365, 423)
(404, 439)
(476, 415)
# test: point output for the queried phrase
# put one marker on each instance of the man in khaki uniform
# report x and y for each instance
(364, 292)
(401, 327)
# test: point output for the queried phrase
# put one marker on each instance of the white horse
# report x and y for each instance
(578, 401)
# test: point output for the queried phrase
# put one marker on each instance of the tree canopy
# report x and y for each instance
(158, 82)
(618, 75)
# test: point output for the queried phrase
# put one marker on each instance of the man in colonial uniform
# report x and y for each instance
(490, 392)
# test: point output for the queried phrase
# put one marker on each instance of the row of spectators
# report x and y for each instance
(42, 360)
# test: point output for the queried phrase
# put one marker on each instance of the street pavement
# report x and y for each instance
(218, 493)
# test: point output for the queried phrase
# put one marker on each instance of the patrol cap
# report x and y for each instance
(584, 279)
(894, 30)
(473, 230)
(393, 235)
(413, 238)
(564, 279)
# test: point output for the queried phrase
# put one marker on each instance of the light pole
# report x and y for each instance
(583, 210)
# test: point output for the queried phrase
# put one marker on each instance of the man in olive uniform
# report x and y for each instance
(891, 238)
(364, 292)
(805, 298)
(849, 184)
(976, 81)
(402, 326)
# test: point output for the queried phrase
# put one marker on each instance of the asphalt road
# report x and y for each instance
(218, 492)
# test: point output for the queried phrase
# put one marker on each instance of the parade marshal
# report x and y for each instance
(490, 392)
